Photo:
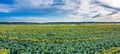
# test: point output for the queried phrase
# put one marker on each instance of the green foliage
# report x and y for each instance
(60, 38)
(4, 51)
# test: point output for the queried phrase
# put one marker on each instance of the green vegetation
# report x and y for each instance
(4, 51)
(59, 38)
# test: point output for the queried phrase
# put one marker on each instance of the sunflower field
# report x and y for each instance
(59, 38)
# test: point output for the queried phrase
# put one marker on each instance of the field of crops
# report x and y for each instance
(59, 38)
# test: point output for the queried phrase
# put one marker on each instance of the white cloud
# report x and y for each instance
(34, 3)
(26, 4)
(113, 3)
(69, 5)
(6, 8)
(26, 19)
(87, 8)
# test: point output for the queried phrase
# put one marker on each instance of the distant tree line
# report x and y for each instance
(18, 23)
(60, 23)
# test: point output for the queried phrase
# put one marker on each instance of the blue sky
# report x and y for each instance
(59, 10)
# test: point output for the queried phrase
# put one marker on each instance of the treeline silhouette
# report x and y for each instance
(60, 23)
(18, 23)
